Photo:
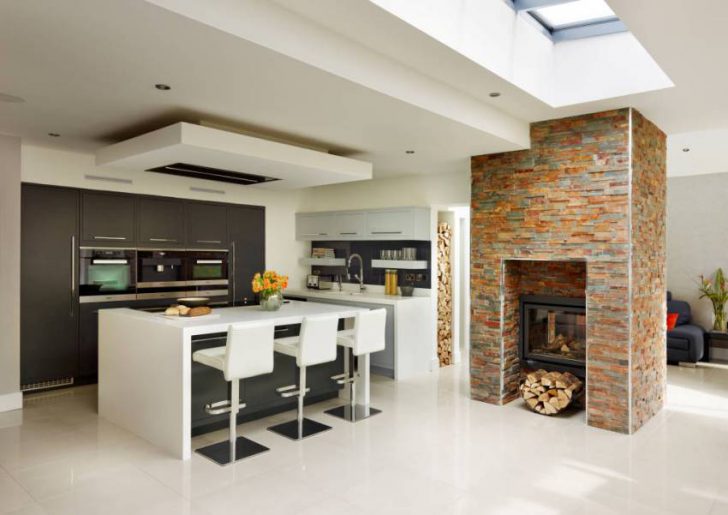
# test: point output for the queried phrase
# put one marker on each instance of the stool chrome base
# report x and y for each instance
(290, 429)
(220, 452)
(354, 414)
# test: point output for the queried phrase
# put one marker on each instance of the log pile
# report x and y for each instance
(444, 295)
(549, 393)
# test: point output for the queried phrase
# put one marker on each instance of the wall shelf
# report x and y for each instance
(323, 261)
(399, 263)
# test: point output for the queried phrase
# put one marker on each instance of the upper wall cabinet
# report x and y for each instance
(409, 223)
(314, 226)
(161, 222)
(206, 225)
(107, 219)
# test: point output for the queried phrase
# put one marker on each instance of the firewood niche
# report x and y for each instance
(549, 393)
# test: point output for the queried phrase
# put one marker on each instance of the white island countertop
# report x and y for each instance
(292, 312)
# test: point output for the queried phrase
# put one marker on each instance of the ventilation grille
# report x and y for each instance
(212, 174)
(44, 385)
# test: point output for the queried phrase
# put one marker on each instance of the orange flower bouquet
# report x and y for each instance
(270, 285)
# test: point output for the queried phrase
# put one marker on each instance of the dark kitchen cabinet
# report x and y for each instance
(160, 222)
(107, 219)
(246, 231)
(49, 284)
(206, 225)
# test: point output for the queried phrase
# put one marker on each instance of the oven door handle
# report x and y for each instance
(208, 261)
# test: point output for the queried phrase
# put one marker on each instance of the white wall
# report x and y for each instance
(411, 190)
(697, 236)
(64, 168)
(10, 165)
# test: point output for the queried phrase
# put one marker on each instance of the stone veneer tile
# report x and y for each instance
(579, 193)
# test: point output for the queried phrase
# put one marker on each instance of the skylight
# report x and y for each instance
(572, 19)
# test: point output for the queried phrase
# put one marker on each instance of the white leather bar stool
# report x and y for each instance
(248, 353)
(367, 336)
(315, 344)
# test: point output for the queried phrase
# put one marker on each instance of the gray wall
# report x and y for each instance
(9, 266)
(697, 236)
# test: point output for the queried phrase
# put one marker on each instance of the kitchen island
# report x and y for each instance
(147, 378)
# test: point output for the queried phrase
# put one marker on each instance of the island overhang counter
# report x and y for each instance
(145, 365)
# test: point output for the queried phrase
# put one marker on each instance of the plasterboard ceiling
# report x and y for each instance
(88, 73)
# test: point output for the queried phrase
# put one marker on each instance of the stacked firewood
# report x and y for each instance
(444, 295)
(550, 393)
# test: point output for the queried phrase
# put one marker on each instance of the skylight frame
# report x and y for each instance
(578, 30)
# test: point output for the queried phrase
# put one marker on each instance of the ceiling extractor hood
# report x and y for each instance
(199, 152)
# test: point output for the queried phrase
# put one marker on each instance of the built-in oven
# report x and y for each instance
(162, 274)
(106, 275)
(207, 274)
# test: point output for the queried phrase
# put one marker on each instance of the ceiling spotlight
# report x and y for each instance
(409, 151)
(54, 135)
(494, 94)
(163, 87)
(11, 99)
(686, 149)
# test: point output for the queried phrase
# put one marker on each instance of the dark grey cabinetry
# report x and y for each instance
(49, 291)
(246, 231)
(206, 225)
(107, 219)
(160, 222)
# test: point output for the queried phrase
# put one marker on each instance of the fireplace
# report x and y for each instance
(553, 333)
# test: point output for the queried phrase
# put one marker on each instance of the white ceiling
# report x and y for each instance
(88, 72)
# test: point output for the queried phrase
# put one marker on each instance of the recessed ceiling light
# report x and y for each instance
(494, 94)
(163, 87)
(54, 134)
(11, 99)
(409, 151)
(686, 149)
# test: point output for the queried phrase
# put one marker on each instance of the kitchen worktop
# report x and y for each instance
(366, 296)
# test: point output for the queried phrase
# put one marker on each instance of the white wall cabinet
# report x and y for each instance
(407, 223)
(315, 226)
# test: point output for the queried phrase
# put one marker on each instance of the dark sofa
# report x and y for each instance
(686, 342)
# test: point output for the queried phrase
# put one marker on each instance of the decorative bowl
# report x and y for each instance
(407, 291)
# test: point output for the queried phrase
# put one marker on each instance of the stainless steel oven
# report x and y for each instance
(106, 275)
(207, 274)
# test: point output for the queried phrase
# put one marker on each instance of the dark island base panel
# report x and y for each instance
(258, 393)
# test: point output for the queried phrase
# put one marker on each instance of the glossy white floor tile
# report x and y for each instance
(432, 450)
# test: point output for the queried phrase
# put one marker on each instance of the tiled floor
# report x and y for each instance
(431, 451)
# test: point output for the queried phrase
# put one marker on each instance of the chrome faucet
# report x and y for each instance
(359, 277)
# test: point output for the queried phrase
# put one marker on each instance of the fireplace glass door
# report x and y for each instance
(554, 333)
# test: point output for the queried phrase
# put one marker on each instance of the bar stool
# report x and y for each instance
(367, 336)
(315, 344)
(248, 353)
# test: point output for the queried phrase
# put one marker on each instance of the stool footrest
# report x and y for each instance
(343, 379)
(220, 407)
(292, 393)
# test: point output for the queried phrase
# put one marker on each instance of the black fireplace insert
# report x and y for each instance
(553, 333)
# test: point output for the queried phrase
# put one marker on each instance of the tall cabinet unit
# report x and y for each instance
(49, 284)
(246, 234)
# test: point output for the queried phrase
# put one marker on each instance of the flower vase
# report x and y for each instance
(720, 323)
(271, 301)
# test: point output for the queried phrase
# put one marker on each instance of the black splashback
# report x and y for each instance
(369, 250)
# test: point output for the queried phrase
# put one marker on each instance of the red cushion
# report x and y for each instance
(672, 320)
